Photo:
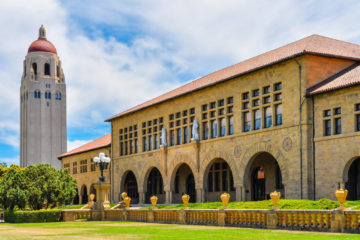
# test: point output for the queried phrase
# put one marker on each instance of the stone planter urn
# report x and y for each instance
(153, 201)
(123, 195)
(275, 197)
(127, 201)
(185, 198)
(225, 197)
(341, 195)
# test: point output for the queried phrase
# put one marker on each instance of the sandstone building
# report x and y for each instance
(80, 164)
(286, 120)
(42, 105)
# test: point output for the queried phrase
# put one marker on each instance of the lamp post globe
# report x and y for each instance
(102, 161)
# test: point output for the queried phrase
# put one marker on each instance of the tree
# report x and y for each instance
(48, 185)
(3, 164)
(13, 189)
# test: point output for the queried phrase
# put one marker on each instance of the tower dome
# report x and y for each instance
(42, 44)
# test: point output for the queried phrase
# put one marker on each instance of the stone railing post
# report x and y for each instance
(271, 219)
(68, 216)
(125, 215)
(338, 221)
(182, 216)
(151, 216)
(221, 218)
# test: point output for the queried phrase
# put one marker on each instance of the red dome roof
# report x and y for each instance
(42, 45)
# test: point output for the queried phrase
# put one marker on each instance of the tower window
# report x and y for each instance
(48, 95)
(57, 71)
(37, 94)
(57, 96)
(47, 69)
(34, 66)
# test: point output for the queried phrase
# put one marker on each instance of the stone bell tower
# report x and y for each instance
(42, 105)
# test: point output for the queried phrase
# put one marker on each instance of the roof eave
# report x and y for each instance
(235, 76)
(88, 150)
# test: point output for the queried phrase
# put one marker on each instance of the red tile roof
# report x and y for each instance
(313, 44)
(104, 141)
(346, 78)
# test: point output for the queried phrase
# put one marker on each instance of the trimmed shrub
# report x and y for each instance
(32, 216)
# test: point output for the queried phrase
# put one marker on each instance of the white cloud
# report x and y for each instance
(76, 143)
(169, 40)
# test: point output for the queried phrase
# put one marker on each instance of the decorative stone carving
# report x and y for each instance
(163, 137)
(237, 151)
(287, 144)
(195, 131)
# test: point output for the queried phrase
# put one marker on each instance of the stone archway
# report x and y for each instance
(130, 186)
(93, 191)
(84, 195)
(262, 176)
(154, 185)
(76, 200)
(352, 178)
(218, 178)
(182, 181)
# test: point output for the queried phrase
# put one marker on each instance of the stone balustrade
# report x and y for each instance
(311, 220)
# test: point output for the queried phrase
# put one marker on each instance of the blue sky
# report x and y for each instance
(119, 53)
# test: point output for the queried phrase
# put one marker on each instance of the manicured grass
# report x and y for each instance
(267, 204)
(130, 230)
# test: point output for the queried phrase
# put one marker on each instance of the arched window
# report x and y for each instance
(47, 69)
(37, 94)
(34, 66)
(48, 95)
(57, 96)
(222, 127)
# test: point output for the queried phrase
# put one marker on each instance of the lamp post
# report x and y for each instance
(102, 161)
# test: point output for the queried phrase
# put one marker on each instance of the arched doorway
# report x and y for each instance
(353, 183)
(93, 191)
(263, 176)
(184, 182)
(154, 186)
(76, 200)
(218, 179)
(84, 195)
(131, 187)
(258, 184)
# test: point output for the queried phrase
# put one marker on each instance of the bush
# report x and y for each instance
(32, 216)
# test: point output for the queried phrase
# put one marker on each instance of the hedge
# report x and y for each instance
(32, 216)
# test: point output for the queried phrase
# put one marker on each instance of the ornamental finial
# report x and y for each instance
(42, 32)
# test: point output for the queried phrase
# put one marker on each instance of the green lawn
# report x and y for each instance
(131, 230)
(267, 204)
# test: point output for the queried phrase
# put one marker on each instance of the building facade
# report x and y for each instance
(259, 127)
(286, 120)
(42, 105)
(80, 165)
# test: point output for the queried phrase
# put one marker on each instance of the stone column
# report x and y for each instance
(168, 197)
(141, 197)
(200, 195)
(239, 192)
